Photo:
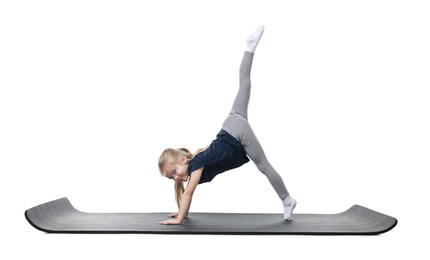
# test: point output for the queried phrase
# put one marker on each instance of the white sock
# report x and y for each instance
(289, 205)
(253, 40)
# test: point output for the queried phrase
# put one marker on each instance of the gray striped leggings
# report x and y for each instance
(237, 125)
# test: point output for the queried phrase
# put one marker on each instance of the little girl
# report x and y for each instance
(234, 144)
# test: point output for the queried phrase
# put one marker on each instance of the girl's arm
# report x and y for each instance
(187, 196)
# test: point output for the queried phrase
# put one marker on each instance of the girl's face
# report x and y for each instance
(177, 171)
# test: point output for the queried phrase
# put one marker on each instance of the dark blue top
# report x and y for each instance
(223, 154)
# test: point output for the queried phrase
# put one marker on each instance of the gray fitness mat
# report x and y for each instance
(59, 216)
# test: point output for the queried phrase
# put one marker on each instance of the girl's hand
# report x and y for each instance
(174, 221)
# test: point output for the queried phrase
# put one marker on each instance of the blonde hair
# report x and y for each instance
(170, 156)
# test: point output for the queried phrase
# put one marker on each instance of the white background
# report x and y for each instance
(92, 91)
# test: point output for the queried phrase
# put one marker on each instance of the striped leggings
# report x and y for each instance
(237, 125)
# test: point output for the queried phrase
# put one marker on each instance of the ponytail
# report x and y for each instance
(170, 155)
(179, 189)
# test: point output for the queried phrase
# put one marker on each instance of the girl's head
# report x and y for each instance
(173, 164)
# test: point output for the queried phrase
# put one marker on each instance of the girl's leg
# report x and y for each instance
(256, 154)
(240, 104)
(237, 125)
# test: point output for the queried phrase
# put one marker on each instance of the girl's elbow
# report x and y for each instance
(188, 193)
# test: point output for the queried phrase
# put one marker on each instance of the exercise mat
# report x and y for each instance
(59, 216)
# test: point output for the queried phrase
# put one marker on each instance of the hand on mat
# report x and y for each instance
(171, 222)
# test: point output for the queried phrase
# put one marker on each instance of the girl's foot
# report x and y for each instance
(253, 40)
(289, 205)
